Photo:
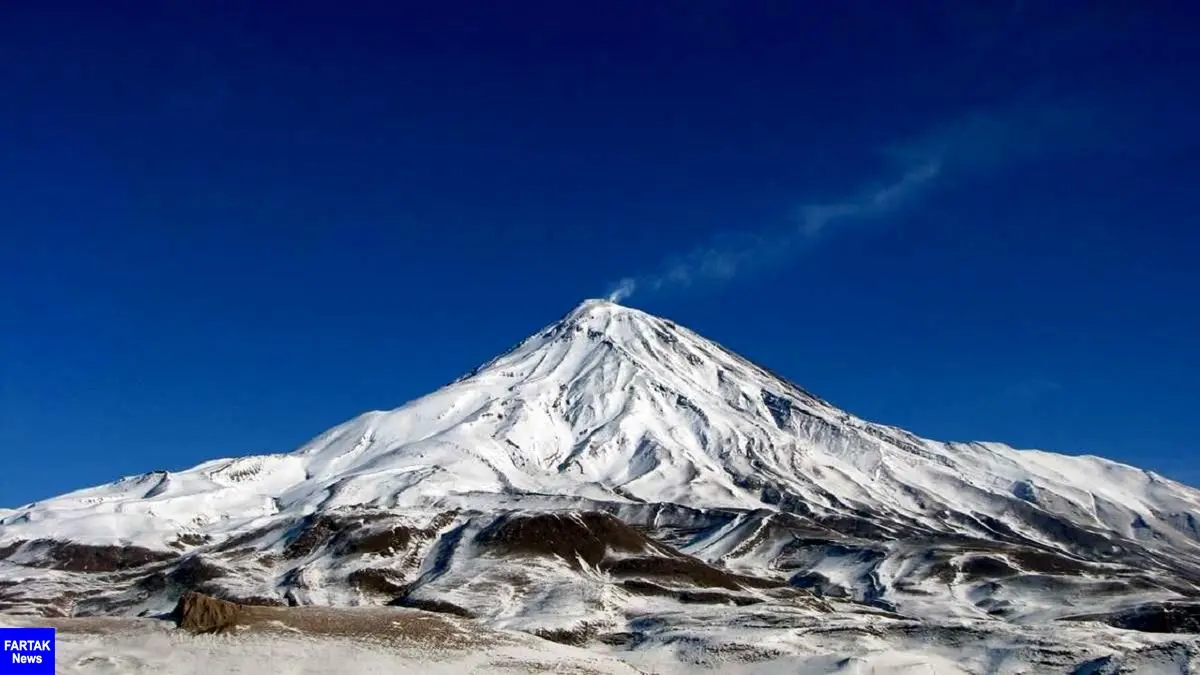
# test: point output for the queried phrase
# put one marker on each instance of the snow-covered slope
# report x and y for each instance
(718, 464)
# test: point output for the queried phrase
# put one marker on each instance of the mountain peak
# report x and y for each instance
(596, 302)
(596, 306)
(596, 316)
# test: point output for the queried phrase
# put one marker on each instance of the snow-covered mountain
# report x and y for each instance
(612, 476)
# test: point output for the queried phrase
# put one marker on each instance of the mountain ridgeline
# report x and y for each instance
(616, 477)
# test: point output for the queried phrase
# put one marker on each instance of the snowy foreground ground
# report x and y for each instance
(440, 645)
(150, 646)
(162, 650)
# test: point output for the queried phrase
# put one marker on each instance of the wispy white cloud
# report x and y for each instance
(624, 289)
(730, 253)
(973, 142)
(984, 140)
(815, 218)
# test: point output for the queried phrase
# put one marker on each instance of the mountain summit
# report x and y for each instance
(614, 455)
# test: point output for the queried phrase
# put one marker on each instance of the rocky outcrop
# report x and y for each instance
(197, 613)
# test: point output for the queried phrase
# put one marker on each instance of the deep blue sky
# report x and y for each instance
(225, 227)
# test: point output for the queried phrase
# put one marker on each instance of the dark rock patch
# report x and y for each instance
(440, 522)
(439, 606)
(1117, 586)
(72, 557)
(1157, 617)
(623, 639)
(295, 579)
(714, 598)
(804, 552)
(795, 593)
(742, 653)
(1061, 530)
(193, 571)
(153, 583)
(758, 582)
(192, 539)
(235, 545)
(195, 575)
(576, 636)
(385, 542)
(684, 570)
(687, 596)
(1105, 665)
(943, 571)
(986, 567)
(253, 600)
(381, 581)
(683, 402)
(573, 537)
(191, 574)
(997, 608)
(1045, 562)
(998, 528)
(8, 549)
(681, 570)
(646, 588)
(353, 534)
(853, 526)
(315, 531)
(779, 407)
(1036, 583)
(819, 584)
(57, 606)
